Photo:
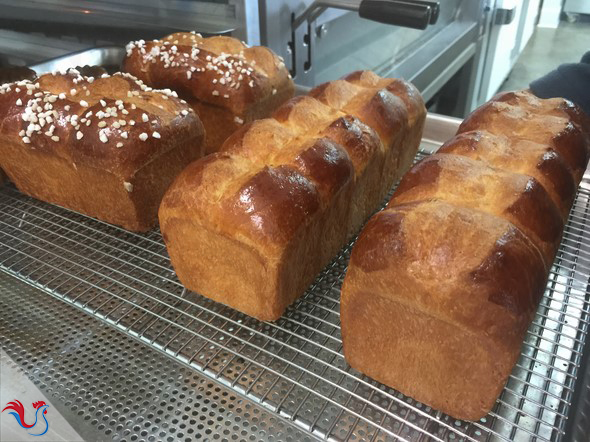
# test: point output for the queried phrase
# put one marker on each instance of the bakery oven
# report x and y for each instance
(95, 323)
(319, 41)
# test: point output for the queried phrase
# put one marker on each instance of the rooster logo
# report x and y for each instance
(19, 415)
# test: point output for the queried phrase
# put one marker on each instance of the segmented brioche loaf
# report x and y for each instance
(225, 81)
(107, 147)
(540, 161)
(252, 225)
(459, 180)
(444, 282)
(556, 123)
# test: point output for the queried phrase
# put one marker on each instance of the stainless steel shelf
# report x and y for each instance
(294, 367)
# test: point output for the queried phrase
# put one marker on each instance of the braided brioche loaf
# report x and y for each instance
(107, 147)
(444, 282)
(225, 81)
(252, 225)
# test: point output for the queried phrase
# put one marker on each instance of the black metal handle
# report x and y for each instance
(434, 9)
(400, 13)
(505, 16)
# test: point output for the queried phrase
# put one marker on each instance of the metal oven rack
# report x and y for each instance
(294, 367)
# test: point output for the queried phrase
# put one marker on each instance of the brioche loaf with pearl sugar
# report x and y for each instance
(11, 74)
(107, 147)
(225, 81)
(443, 284)
(252, 225)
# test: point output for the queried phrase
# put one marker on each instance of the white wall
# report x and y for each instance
(550, 14)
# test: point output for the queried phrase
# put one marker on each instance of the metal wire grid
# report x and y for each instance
(108, 388)
(294, 366)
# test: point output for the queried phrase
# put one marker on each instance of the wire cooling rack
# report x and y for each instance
(295, 367)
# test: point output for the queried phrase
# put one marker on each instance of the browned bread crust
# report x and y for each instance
(540, 161)
(281, 198)
(435, 303)
(460, 180)
(227, 83)
(555, 122)
(107, 147)
(11, 74)
(90, 71)
(443, 283)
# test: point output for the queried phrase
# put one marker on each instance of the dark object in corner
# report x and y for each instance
(91, 71)
(570, 80)
(16, 73)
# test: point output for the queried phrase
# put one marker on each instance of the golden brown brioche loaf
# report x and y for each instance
(11, 74)
(225, 81)
(252, 225)
(443, 283)
(435, 303)
(107, 147)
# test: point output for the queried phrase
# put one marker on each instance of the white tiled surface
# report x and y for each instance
(15, 385)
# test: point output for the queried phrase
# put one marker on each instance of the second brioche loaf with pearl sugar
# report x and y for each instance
(11, 74)
(252, 225)
(225, 81)
(107, 147)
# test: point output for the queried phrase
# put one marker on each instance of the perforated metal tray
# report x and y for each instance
(294, 367)
(108, 386)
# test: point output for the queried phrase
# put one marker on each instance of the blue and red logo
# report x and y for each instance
(19, 415)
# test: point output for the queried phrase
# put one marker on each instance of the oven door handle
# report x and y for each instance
(434, 9)
(505, 16)
(417, 14)
(409, 14)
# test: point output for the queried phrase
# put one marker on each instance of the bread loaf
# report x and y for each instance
(252, 225)
(443, 284)
(10, 74)
(226, 82)
(107, 147)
